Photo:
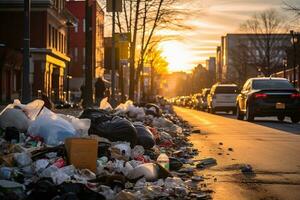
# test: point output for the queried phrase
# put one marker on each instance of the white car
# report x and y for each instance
(222, 97)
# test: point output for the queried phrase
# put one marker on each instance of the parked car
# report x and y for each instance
(262, 97)
(222, 97)
(203, 99)
(196, 101)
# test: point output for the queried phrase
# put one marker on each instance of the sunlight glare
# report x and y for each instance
(177, 55)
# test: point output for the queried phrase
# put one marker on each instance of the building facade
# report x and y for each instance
(242, 56)
(211, 67)
(77, 43)
(48, 47)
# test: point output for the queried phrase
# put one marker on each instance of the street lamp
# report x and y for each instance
(294, 41)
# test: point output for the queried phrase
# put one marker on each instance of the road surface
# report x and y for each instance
(274, 155)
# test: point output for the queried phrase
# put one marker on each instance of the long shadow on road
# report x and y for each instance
(271, 122)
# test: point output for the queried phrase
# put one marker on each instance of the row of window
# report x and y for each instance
(56, 39)
(59, 5)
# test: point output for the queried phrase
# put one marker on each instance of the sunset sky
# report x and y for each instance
(211, 19)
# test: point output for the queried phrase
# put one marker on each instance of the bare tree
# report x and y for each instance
(266, 41)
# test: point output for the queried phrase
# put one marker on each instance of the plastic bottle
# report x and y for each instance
(163, 160)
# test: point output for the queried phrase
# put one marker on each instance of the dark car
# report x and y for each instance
(262, 97)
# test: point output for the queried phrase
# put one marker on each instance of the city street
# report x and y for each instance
(270, 147)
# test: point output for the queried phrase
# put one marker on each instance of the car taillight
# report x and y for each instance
(295, 96)
(260, 96)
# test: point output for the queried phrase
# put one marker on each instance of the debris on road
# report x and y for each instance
(130, 152)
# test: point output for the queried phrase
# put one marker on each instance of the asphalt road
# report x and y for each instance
(271, 148)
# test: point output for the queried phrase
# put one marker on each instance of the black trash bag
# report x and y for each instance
(69, 191)
(43, 189)
(156, 113)
(175, 164)
(12, 133)
(116, 129)
(67, 196)
(144, 136)
(96, 115)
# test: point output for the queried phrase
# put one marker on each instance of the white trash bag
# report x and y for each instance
(52, 128)
(104, 105)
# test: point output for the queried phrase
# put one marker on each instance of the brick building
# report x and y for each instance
(48, 44)
(77, 42)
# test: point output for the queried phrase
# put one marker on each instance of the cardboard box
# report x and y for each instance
(82, 153)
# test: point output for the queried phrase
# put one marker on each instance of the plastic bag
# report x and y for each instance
(144, 136)
(136, 112)
(12, 117)
(80, 125)
(22, 159)
(150, 171)
(117, 129)
(104, 105)
(124, 148)
(33, 108)
(52, 128)
(59, 177)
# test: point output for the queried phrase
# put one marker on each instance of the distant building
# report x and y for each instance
(244, 55)
(48, 47)
(211, 66)
(287, 70)
(77, 42)
(218, 64)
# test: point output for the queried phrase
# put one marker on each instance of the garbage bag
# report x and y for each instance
(136, 112)
(175, 164)
(81, 126)
(12, 117)
(116, 129)
(80, 190)
(153, 109)
(95, 115)
(12, 133)
(150, 171)
(43, 189)
(144, 136)
(104, 105)
(52, 128)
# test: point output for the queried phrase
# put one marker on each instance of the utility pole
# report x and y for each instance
(88, 97)
(26, 92)
(113, 55)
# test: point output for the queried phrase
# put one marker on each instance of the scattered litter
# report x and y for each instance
(131, 152)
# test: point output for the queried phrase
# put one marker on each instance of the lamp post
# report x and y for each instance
(294, 41)
(26, 91)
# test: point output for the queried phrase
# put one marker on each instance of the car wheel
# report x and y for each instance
(295, 119)
(249, 114)
(280, 118)
(239, 115)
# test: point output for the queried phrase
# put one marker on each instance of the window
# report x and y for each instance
(83, 25)
(75, 54)
(53, 37)
(49, 35)
(272, 84)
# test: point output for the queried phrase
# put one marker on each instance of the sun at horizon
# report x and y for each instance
(177, 55)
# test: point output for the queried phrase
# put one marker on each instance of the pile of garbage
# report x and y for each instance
(129, 152)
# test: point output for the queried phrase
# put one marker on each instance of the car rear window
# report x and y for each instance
(226, 90)
(271, 84)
